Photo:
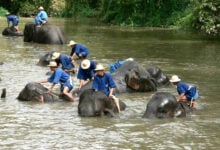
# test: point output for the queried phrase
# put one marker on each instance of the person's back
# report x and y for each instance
(66, 62)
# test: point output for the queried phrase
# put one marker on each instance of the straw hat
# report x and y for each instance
(129, 59)
(40, 8)
(85, 64)
(99, 67)
(55, 55)
(71, 43)
(52, 64)
(175, 78)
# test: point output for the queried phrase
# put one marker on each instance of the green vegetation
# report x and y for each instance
(2, 11)
(198, 15)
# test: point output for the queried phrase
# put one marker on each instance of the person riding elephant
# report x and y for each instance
(96, 103)
(14, 19)
(41, 16)
(12, 30)
(59, 76)
(165, 105)
(46, 34)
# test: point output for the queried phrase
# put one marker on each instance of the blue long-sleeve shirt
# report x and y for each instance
(103, 83)
(84, 74)
(12, 18)
(79, 49)
(42, 16)
(58, 76)
(187, 89)
(66, 62)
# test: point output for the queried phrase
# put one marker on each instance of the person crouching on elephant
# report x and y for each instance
(187, 93)
(42, 15)
(78, 50)
(105, 83)
(59, 76)
(65, 61)
(14, 19)
(86, 71)
(115, 66)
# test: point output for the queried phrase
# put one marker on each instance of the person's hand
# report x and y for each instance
(110, 96)
(48, 92)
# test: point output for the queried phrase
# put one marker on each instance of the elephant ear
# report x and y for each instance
(29, 30)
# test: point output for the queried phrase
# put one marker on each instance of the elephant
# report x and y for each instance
(32, 92)
(96, 103)
(46, 34)
(165, 105)
(45, 59)
(11, 31)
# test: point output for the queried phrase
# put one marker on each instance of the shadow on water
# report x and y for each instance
(29, 125)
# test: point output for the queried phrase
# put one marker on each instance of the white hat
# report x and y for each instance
(175, 78)
(52, 64)
(55, 55)
(40, 8)
(85, 64)
(99, 67)
(71, 43)
(129, 59)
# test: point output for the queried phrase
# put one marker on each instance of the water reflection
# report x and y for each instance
(30, 125)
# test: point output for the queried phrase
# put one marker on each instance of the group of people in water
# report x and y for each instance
(88, 70)
(40, 18)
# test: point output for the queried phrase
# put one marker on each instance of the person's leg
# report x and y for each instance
(116, 101)
(66, 92)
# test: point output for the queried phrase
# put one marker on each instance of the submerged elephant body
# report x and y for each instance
(46, 34)
(33, 91)
(11, 31)
(165, 105)
(96, 103)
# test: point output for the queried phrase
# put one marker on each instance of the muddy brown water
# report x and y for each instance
(31, 125)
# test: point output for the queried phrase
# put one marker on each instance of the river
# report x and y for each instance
(31, 125)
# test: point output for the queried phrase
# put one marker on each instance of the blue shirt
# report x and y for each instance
(103, 83)
(37, 20)
(115, 66)
(66, 62)
(84, 74)
(42, 16)
(79, 49)
(14, 19)
(58, 76)
(187, 89)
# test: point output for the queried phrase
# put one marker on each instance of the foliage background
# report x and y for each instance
(197, 15)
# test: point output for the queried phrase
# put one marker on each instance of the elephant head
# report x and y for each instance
(11, 31)
(165, 105)
(96, 103)
(158, 75)
(139, 79)
(45, 59)
(45, 34)
(34, 91)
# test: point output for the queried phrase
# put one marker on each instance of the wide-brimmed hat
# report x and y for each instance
(40, 8)
(129, 59)
(52, 64)
(55, 55)
(71, 43)
(99, 67)
(85, 64)
(175, 78)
